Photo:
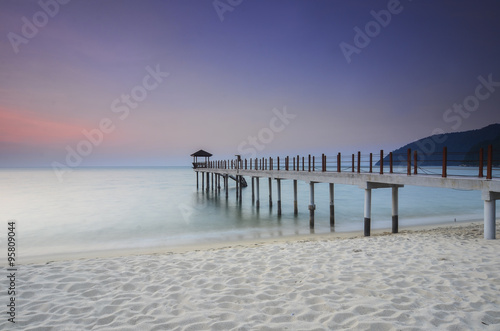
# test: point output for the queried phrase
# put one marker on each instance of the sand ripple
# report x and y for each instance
(446, 279)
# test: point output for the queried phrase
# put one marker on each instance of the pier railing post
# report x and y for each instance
(408, 162)
(390, 163)
(314, 164)
(278, 162)
(481, 162)
(415, 161)
(303, 162)
(489, 167)
(294, 163)
(445, 163)
(359, 162)
(381, 161)
(371, 162)
(339, 166)
(309, 162)
(352, 162)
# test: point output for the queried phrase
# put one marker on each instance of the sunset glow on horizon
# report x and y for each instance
(149, 82)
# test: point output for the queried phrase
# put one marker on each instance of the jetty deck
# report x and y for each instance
(368, 177)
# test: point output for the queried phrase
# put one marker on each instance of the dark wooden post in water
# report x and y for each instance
(489, 167)
(295, 206)
(408, 162)
(312, 206)
(203, 181)
(212, 181)
(481, 162)
(332, 206)
(197, 185)
(445, 162)
(352, 162)
(278, 188)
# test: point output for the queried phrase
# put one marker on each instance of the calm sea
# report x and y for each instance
(97, 209)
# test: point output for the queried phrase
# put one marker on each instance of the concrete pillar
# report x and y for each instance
(208, 181)
(395, 207)
(312, 206)
(240, 188)
(270, 192)
(295, 206)
(278, 188)
(226, 185)
(237, 187)
(489, 219)
(332, 206)
(368, 211)
(257, 202)
(253, 189)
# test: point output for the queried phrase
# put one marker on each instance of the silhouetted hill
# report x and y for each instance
(463, 147)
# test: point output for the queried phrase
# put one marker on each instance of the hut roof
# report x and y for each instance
(202, 153)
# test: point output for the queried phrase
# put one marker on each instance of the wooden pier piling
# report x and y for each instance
(332, 205)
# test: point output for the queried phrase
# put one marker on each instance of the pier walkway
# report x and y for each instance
(362, 172)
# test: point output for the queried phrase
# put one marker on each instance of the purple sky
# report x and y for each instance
(81, 84)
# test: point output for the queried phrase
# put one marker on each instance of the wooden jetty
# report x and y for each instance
(356, 170)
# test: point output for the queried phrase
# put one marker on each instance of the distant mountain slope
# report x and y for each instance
(463, 147)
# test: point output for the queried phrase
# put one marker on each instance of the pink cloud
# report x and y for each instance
(26, 127)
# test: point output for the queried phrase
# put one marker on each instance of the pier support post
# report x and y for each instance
(197, 185)
(368, 210)
(208, 182)
(295, 206)
(237, 187)
(253, 190)
(240, 188)
(226, 185)
(278, 188)
(489, 219)
(203, 181)
(395, 220)
(270, 193)
(312, 206)
(257, 202)
(332, 206)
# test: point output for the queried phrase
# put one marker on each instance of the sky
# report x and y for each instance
(147, 83)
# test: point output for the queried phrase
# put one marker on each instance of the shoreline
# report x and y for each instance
(184, 248)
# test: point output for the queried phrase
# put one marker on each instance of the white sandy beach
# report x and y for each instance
(447, 278)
